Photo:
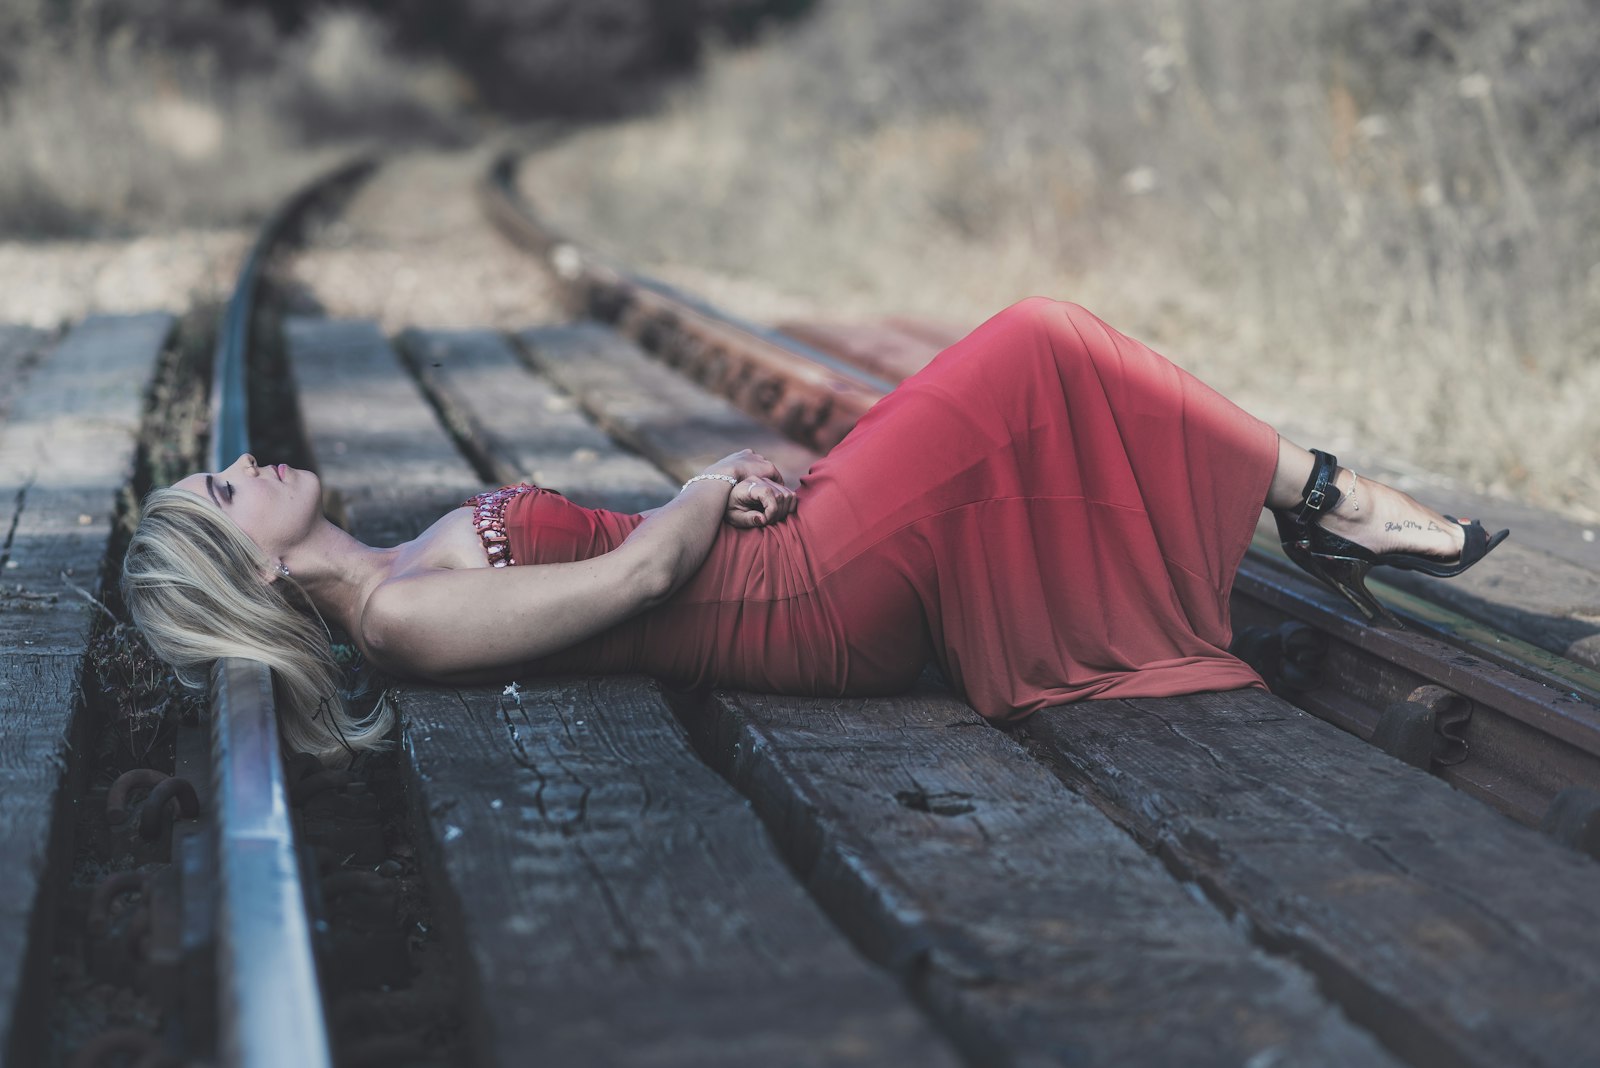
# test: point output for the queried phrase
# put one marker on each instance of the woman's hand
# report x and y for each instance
(759, 502)
(746, 463)
(759, 498)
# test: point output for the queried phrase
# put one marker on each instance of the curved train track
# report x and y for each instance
(229, 912)
(1483, 708)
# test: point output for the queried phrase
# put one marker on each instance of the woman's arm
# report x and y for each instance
(449, 624)
(753, 503)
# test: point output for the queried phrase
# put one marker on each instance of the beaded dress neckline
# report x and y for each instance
(489, 520)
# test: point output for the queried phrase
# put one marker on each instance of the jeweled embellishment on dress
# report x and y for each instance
(488, 518)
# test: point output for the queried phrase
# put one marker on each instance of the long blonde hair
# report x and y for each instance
(196, 585)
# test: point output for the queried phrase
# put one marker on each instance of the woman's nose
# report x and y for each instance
(246, 459)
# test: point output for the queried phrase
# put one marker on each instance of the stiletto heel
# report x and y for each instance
(1349, 577)
(1343, 564)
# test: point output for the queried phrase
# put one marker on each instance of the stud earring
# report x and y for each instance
(283, 569)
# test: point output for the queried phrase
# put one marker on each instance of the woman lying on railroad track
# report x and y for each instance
(1050, 510)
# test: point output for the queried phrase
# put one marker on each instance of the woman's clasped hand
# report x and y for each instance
(759, 498)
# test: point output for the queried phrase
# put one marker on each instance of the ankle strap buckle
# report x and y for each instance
(1320, 494)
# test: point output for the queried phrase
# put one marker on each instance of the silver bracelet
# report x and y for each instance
(729, 479)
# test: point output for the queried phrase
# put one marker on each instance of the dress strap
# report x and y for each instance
(489, 520)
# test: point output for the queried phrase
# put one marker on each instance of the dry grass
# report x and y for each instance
(139, 143)
(107, 130)
(1363, 219)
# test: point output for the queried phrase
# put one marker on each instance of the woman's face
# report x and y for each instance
(275, 506)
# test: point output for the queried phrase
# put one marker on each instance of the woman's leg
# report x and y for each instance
(1374, 515)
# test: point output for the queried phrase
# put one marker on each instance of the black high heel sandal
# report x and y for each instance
(1343, 564)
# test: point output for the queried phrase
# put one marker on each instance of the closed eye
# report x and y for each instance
(229, 487)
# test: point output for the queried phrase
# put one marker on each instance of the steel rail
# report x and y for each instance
(1523, 735)
(1447, 625)
(813, 397)
(1529, 719)
(269, 999)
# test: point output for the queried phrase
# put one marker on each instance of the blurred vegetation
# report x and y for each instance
(1375, 219)
(566, 57)
(122, 116)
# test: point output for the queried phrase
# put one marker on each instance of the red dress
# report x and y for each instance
(1050, 510)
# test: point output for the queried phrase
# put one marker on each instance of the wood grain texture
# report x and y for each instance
(1452, 933)
(521, 427)
(388, 468)
(614, 901)
(65, 453)
(21, 348)
(650, 408)
(622, 904)
(1031, 926)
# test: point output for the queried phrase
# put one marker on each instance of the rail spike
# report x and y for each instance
(1425, 729)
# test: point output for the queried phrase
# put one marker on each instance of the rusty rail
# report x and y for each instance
(809, 395)
(1515, 726)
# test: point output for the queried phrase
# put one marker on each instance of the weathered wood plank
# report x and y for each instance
(1452, 933)
(519, 426)
(651, 408)
(622, 904)
(615, 901)
(1018, 914)
(388, 468)
(21, 348)
(65, 453)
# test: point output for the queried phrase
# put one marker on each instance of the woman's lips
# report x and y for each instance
(282, 470)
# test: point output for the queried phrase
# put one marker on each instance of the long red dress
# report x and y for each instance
(1049, 509)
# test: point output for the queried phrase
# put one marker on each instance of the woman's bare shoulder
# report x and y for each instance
(451, 543)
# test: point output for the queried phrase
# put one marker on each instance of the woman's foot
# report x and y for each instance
(1375, 516)
(1385, 520)
(1339, 526)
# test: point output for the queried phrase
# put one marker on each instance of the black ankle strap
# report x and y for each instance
(1320, 494)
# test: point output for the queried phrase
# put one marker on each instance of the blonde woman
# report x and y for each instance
(1050, 510)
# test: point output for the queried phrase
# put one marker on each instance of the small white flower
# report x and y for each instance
(1139, 181)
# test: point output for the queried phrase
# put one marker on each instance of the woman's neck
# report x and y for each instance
(338, 572)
